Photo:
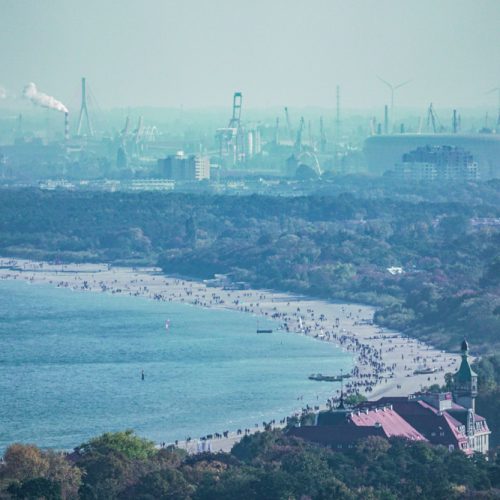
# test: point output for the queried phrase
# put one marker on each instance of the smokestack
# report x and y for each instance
(66, 126)
(455, 121)
(386, 119)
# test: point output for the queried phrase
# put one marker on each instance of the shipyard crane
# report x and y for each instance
(235, 120)
(124, 131)
(322, 144)
(298, 140)
(431, 118)
(138, 130)
(310, 134)
(230, 138)
(289, 124)
(137, 136)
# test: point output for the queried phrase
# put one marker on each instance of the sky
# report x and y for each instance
(196, 53)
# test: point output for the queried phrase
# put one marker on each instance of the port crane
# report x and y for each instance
(288, 124)
(322, 143)
(235, 120)
(431, 118)
(230, 138)
(298, 140)
(124, 131)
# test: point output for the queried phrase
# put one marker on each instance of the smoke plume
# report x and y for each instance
(41, 99)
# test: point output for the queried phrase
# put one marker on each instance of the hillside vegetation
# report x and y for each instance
(266, 465)
(336, 244)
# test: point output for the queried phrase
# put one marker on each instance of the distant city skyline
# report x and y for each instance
(195, 54)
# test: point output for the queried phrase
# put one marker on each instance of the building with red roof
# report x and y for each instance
(442, 418)
(347, 427)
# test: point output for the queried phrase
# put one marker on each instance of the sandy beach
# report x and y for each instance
(385, 361)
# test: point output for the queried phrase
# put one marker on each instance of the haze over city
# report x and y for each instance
(249, 250)
(194, 53)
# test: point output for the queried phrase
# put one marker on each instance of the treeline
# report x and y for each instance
(266, 465)
(335, 244)
(488, 399)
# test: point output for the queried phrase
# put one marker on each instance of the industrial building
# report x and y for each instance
(438, 163)
(182, 167)
(382, 152)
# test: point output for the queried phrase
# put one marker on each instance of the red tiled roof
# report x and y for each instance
(392, 423)
(437, 427)
(454, 424)
(410, 418)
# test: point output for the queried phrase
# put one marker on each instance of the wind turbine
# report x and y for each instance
(496, 89)
(392, 88)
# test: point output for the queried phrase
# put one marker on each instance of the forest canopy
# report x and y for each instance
(427, 256)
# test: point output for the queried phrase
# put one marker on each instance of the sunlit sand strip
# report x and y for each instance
(385, 361)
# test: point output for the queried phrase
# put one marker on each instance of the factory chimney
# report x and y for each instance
(66, 126)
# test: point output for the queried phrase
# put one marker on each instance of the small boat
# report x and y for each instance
(425, 371)
(263, 330)
(328, 378)
(167, 324)
(324, 378)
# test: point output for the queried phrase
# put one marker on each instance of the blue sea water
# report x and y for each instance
(71, 362)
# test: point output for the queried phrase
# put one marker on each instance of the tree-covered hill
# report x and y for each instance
(335, 244)
(266, 465)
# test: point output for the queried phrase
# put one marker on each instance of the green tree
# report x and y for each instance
(125, 443)
(105, 475)
(64, 473)
(24, 462)
(37, 488)
(168, 484)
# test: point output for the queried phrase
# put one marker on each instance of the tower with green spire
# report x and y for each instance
(465, 381)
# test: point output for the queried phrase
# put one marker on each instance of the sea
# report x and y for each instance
(71, 365)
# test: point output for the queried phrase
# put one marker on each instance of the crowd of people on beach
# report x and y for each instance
(377, 358)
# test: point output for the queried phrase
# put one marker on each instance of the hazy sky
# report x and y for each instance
(277, 52)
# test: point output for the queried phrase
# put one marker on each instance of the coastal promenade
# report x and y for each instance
(385, 362)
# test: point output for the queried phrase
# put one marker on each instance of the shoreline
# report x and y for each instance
(384, 360)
